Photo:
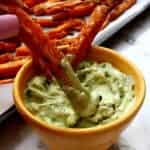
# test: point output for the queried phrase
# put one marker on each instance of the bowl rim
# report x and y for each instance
(80, 131)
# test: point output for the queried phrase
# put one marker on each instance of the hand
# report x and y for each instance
(9, 26)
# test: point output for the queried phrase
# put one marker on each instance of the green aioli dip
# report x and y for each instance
(110, 94)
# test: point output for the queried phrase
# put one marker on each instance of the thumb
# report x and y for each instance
(9, 26)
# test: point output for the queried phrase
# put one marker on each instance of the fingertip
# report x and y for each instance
(9, 26)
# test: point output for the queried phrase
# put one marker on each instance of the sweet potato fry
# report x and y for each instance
(89, 30)
(41, 7)
(82, 10)
(23, 51)
(9, 69)
(4, 81)
(20, 57)
(77, 11)
(6, 57)
(63, 29)
(80, 44)
(38, 38)
(14, 40)
(51, 7)
(29, 3)
(111, 3)
(68, 45)
(44, 51)
(47, 22)
(119, 9)
(7, 47)
(106, 22)
(8, 6)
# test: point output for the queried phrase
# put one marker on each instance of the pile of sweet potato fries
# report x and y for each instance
(50, 29)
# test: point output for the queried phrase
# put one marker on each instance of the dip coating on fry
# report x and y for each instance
(110, 90)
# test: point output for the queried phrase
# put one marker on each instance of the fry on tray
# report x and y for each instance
(77, 11)
(51, 7)
(67, 45)
(8, 6)
(111, 3)
(48, 22)
(22, 50)
(89, 30)
(4, 81)
(79, 45)
(63, 29)
(82, 10)
(9, 69)
(7, 46)
(6, 57)
(29, 3)
(119, 9)
(56, 19)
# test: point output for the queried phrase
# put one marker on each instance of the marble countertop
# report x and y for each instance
(133, 42)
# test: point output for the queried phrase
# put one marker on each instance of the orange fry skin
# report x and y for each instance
(8, 6)
(111, 3)
(4, 81)
(31, 3)
(41, 8)
(89, 31)
(82, 10)
(7, 47)
(28, 28)
(23, 51)
(119, 9)
(9, 69)
(78, 11)
(47, 22)
(44, 52)
(51, 7)
(6, 57)
(63, 29)
(79, 45)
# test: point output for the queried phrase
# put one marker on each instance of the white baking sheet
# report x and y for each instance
(130, 14)
(6, 98)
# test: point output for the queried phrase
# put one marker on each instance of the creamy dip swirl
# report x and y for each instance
(111, 94)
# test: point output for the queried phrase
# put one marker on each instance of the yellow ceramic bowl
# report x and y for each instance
(96, 138)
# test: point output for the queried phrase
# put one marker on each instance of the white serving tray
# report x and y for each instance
(129, 15)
